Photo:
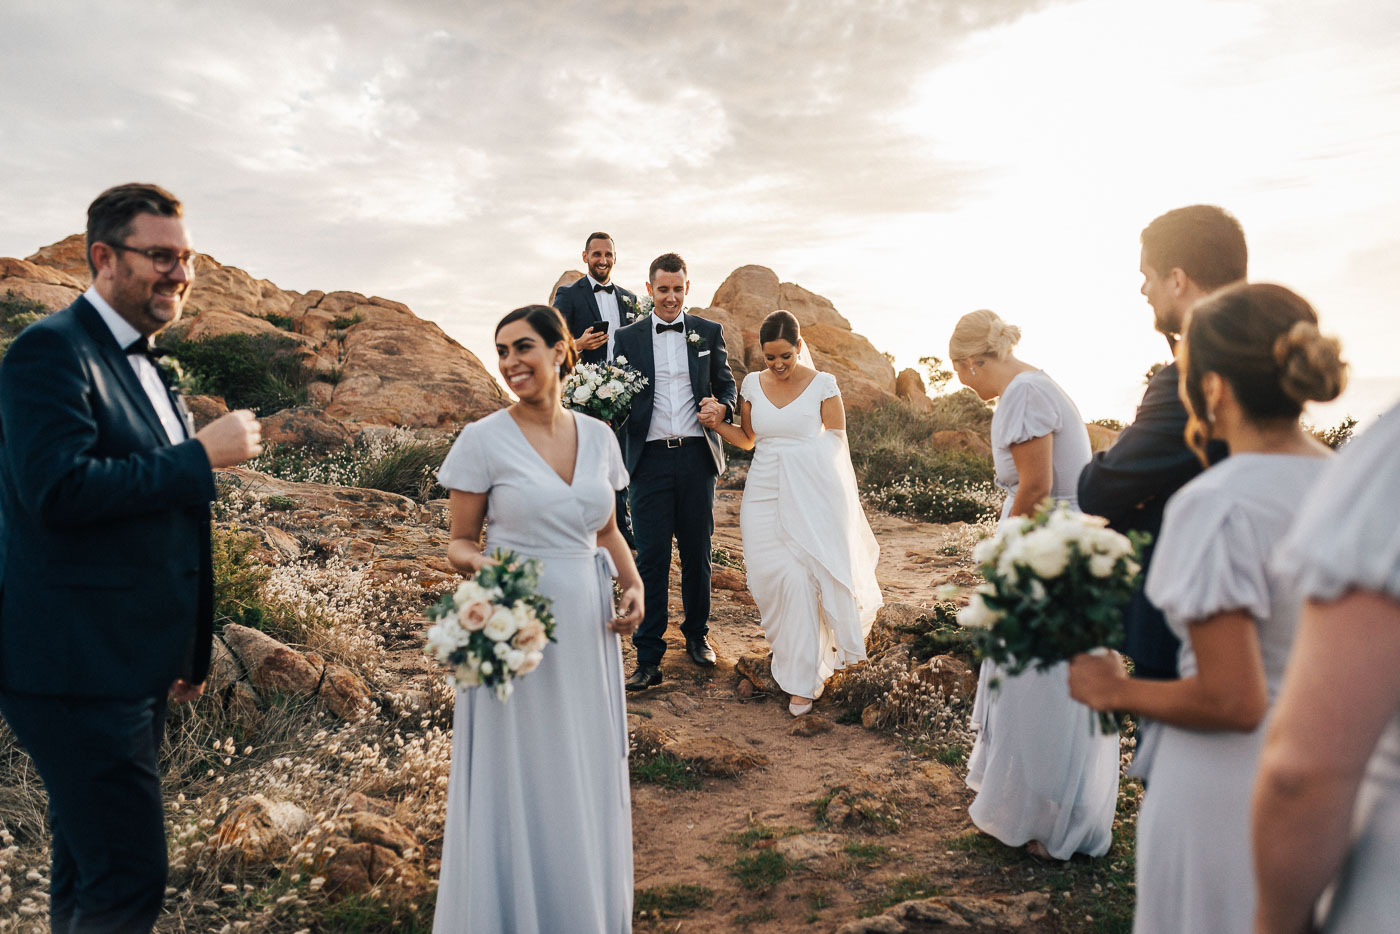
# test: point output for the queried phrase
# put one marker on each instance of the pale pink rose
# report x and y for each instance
(529, 636)
(532, 661)
(475, 615)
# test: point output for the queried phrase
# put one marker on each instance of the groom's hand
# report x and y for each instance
(711, 412)
(182, 692)
(591, 340)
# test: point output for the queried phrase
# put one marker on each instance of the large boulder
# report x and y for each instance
(50, 287)
(909, 386)
(258, 831)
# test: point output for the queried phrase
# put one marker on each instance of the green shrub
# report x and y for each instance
(238, 580)
(285, 322)
(262, 372)
(408, 470)
(345, 322)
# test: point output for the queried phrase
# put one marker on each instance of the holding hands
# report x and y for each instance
(712, 412)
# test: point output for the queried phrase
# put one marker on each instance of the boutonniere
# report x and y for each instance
(174, 374)
(634, 310)
(693, 338)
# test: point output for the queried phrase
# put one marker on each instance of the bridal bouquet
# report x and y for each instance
(493, 628)
(1055, 586)
(604, 390)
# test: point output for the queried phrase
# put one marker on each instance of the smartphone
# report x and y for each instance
(601, 326)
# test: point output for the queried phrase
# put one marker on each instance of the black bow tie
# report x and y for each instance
(143, 346)
(602, 288)
(673, 326)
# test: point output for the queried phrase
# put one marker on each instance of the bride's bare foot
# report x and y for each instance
(799, 705)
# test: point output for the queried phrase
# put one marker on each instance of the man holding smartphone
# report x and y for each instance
(593, 307)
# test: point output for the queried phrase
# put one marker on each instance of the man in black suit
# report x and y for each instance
(1186, 254)
(595, 299)
(106, 592)
(673, 461)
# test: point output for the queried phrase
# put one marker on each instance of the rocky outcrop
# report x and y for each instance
(257, 831)
(382, 364)
(248, 656)
(909, 386)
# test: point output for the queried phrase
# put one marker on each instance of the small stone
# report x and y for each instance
(682, 703)
(809, 846)
(745, 688)
(811, 725)
(870, 716)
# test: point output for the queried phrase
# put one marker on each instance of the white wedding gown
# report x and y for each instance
(808, 548)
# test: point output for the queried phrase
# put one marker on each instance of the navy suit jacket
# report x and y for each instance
(105, 582)
(579, 307)
(1129, 484)
(709, 376)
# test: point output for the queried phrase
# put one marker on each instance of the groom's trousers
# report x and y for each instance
(673, 497)
(97, 759)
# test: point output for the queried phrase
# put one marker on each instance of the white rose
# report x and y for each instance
(487, 668)
(467, 592)
(986, 550)
(501, 625)
(615, 387)
(1101, 565)
(501, 650)
(514, 659)
(532, 661)
(1046, 553)
(977, 615)
(604, 392)
(1012, 553)
(621, 360)
(583, 393)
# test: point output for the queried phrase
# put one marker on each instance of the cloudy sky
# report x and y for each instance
(910, 160)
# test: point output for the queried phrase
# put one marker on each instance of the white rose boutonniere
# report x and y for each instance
(693, 338)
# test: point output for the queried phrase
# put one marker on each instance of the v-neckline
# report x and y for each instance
(578, 449)
(790, 401)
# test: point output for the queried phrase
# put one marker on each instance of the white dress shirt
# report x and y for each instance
(607, 307)
(675, 412)
(150, 380)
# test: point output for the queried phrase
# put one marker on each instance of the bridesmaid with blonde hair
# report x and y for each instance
(1044, 779)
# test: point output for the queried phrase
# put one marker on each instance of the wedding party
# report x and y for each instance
(699, 469)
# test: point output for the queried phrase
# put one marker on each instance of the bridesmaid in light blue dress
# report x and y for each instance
(1327, 800)
(1045, 779)
(539, 826)
(1250, 357)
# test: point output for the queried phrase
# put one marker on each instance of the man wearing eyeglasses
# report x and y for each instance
(105, 582)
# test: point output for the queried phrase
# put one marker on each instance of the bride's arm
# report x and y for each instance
(740, 435)
(1035, 473)
(468, 516)
(834, 414)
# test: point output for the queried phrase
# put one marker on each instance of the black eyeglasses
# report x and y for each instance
(164, 260)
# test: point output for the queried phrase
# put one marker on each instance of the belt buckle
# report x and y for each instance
(673, 442)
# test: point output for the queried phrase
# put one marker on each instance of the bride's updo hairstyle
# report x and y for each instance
(982, 334)
(546, 321)
(1263, 340)
(779, 326)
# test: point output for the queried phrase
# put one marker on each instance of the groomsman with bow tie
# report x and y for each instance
(673, 461)
(593, 300)
(106, 590)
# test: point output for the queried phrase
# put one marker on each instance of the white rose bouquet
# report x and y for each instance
(1056, 585)
(604, 390)
(493, 628)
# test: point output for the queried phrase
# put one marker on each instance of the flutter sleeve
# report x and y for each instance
(827, 387)
(1209, 559)
(1026, 410)
(468, 464)
(748, 387)
(1346, 536)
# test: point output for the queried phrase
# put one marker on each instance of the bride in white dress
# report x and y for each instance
(808, 548)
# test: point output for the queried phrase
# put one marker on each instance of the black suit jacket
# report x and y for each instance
(1129, 484)
(709, 376)
(105, 582)
(580, 310)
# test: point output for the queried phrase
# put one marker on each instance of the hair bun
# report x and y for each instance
(1310, 364)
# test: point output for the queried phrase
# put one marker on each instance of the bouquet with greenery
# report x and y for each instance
(1056, 585)
(604, 390)
(493, 628)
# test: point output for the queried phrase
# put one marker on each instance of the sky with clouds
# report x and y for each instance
(909, 159)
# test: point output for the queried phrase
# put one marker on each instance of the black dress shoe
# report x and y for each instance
(700, 652)
(644, 677)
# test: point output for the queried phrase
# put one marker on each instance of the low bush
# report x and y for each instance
(262, 372)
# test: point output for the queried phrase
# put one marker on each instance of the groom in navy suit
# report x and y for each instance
(1187, 254)
(673, 461)
(106, 590)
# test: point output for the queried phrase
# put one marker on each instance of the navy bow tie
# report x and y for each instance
(673, 326)
(602, 288)
(143, 346)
